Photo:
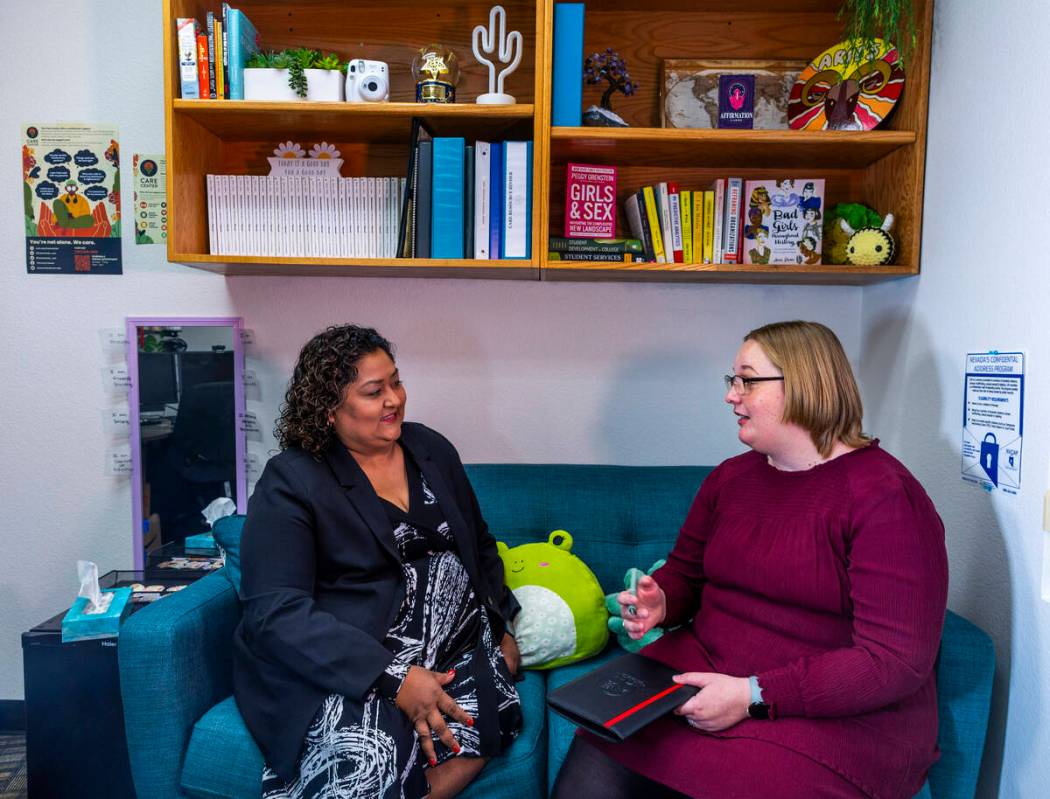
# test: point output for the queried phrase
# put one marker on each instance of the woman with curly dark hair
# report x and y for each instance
(373, 658)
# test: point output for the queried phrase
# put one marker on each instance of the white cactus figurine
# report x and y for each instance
(508, 43)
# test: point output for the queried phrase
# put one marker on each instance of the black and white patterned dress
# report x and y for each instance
(441, 625)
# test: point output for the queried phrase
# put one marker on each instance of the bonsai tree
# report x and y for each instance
(609, 66)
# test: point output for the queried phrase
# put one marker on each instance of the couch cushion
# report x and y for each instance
(227, 532)
(520, 771)
(619, 516)
(559, 729)
(222, 759)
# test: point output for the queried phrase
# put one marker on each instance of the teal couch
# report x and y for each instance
(186, 737)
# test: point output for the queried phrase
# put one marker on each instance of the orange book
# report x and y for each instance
(203, 74)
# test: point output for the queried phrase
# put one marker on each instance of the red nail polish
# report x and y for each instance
(433, 762)
(455, 749)
(470, 722)
(451, 672)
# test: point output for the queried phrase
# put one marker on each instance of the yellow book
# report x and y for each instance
(709, 227)
(654, 224)
(220, 78)
(698, 227)
(685, 201)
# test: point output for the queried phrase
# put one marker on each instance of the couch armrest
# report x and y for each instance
(175, 664)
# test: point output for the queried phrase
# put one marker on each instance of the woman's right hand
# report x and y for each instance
(422, 698)
(649, 607)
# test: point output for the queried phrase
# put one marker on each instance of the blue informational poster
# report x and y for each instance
(993, 420)
(71, 199)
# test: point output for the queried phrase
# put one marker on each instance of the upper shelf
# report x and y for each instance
(672, 147)
(349, 122)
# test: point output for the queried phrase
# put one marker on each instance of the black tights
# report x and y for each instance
(589, 773)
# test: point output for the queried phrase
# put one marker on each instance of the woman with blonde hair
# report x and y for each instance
(808, 587)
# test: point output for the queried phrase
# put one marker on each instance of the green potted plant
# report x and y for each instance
(891, 20)
(294, 74)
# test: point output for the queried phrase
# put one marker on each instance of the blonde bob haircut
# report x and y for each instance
(820, 392)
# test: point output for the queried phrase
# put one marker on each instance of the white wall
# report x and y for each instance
(984, 285)
(588, 373)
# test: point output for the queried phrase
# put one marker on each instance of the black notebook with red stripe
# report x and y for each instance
(616, 700)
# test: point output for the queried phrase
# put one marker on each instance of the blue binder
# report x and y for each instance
(567, 94)
(446, 210)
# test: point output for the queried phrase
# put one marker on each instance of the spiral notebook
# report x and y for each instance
(616, 700)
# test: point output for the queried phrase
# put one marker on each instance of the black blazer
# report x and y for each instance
(322, 583)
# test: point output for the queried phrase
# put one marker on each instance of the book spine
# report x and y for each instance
(203, 81)
(517, 193)
(226, 49)
(567, 74)
(186, 39)
(615, 246)
(653, 217)
(685, 201)
(482, 200)
(446, 198)
(674, 211)
(709, 227)
(468, 201)
(496, 206)
(586, 255)
(220, 54)
(424, 167)
(211, 53)
(637, 202)
(720, 209)
(697, 203)
(663, 207)
(731, 251)
(244, 40)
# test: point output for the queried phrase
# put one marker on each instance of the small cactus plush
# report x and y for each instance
(616, 619)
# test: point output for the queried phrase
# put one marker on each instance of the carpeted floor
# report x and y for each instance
(12, 767)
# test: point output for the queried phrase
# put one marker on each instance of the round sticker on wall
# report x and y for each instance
(847, 88)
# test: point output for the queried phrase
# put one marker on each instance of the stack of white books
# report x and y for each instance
(304, 217)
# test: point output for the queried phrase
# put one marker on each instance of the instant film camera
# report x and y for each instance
(367, 81)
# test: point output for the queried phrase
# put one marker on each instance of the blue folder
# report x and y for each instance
(567, 78)
(446, 210)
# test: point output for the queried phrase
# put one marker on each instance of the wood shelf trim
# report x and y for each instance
(827, 274)
(352, 110)
(235, 265)
(365, 122)
(729, 148)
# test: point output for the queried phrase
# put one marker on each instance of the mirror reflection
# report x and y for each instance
(187, 428)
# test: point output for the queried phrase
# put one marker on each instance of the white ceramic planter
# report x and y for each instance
(322, 85)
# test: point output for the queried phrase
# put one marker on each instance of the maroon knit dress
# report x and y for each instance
(829, 584)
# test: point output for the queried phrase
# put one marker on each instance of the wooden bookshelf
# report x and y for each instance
(883, 168)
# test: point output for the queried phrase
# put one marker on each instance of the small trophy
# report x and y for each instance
(436, 70)
(508, 43)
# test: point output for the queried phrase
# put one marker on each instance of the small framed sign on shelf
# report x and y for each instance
(689, 96)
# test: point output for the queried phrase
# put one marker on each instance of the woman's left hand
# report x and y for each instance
(509, 647)
(721, 703)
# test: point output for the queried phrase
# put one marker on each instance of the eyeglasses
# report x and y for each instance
(742, 385)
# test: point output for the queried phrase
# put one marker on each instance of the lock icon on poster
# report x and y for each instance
(990, 457)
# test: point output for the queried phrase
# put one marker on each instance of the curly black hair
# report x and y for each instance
(327, 365)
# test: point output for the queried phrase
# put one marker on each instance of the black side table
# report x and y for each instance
(75, 742)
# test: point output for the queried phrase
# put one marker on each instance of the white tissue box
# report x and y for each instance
(79, 625)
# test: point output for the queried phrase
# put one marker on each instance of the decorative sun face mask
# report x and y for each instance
(845, 88)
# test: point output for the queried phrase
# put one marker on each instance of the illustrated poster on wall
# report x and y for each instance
(993, 419)
(151, 198)
(71, 196)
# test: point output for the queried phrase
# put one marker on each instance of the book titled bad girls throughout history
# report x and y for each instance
(783, 221)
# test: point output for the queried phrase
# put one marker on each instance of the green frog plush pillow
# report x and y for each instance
(563, 616)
